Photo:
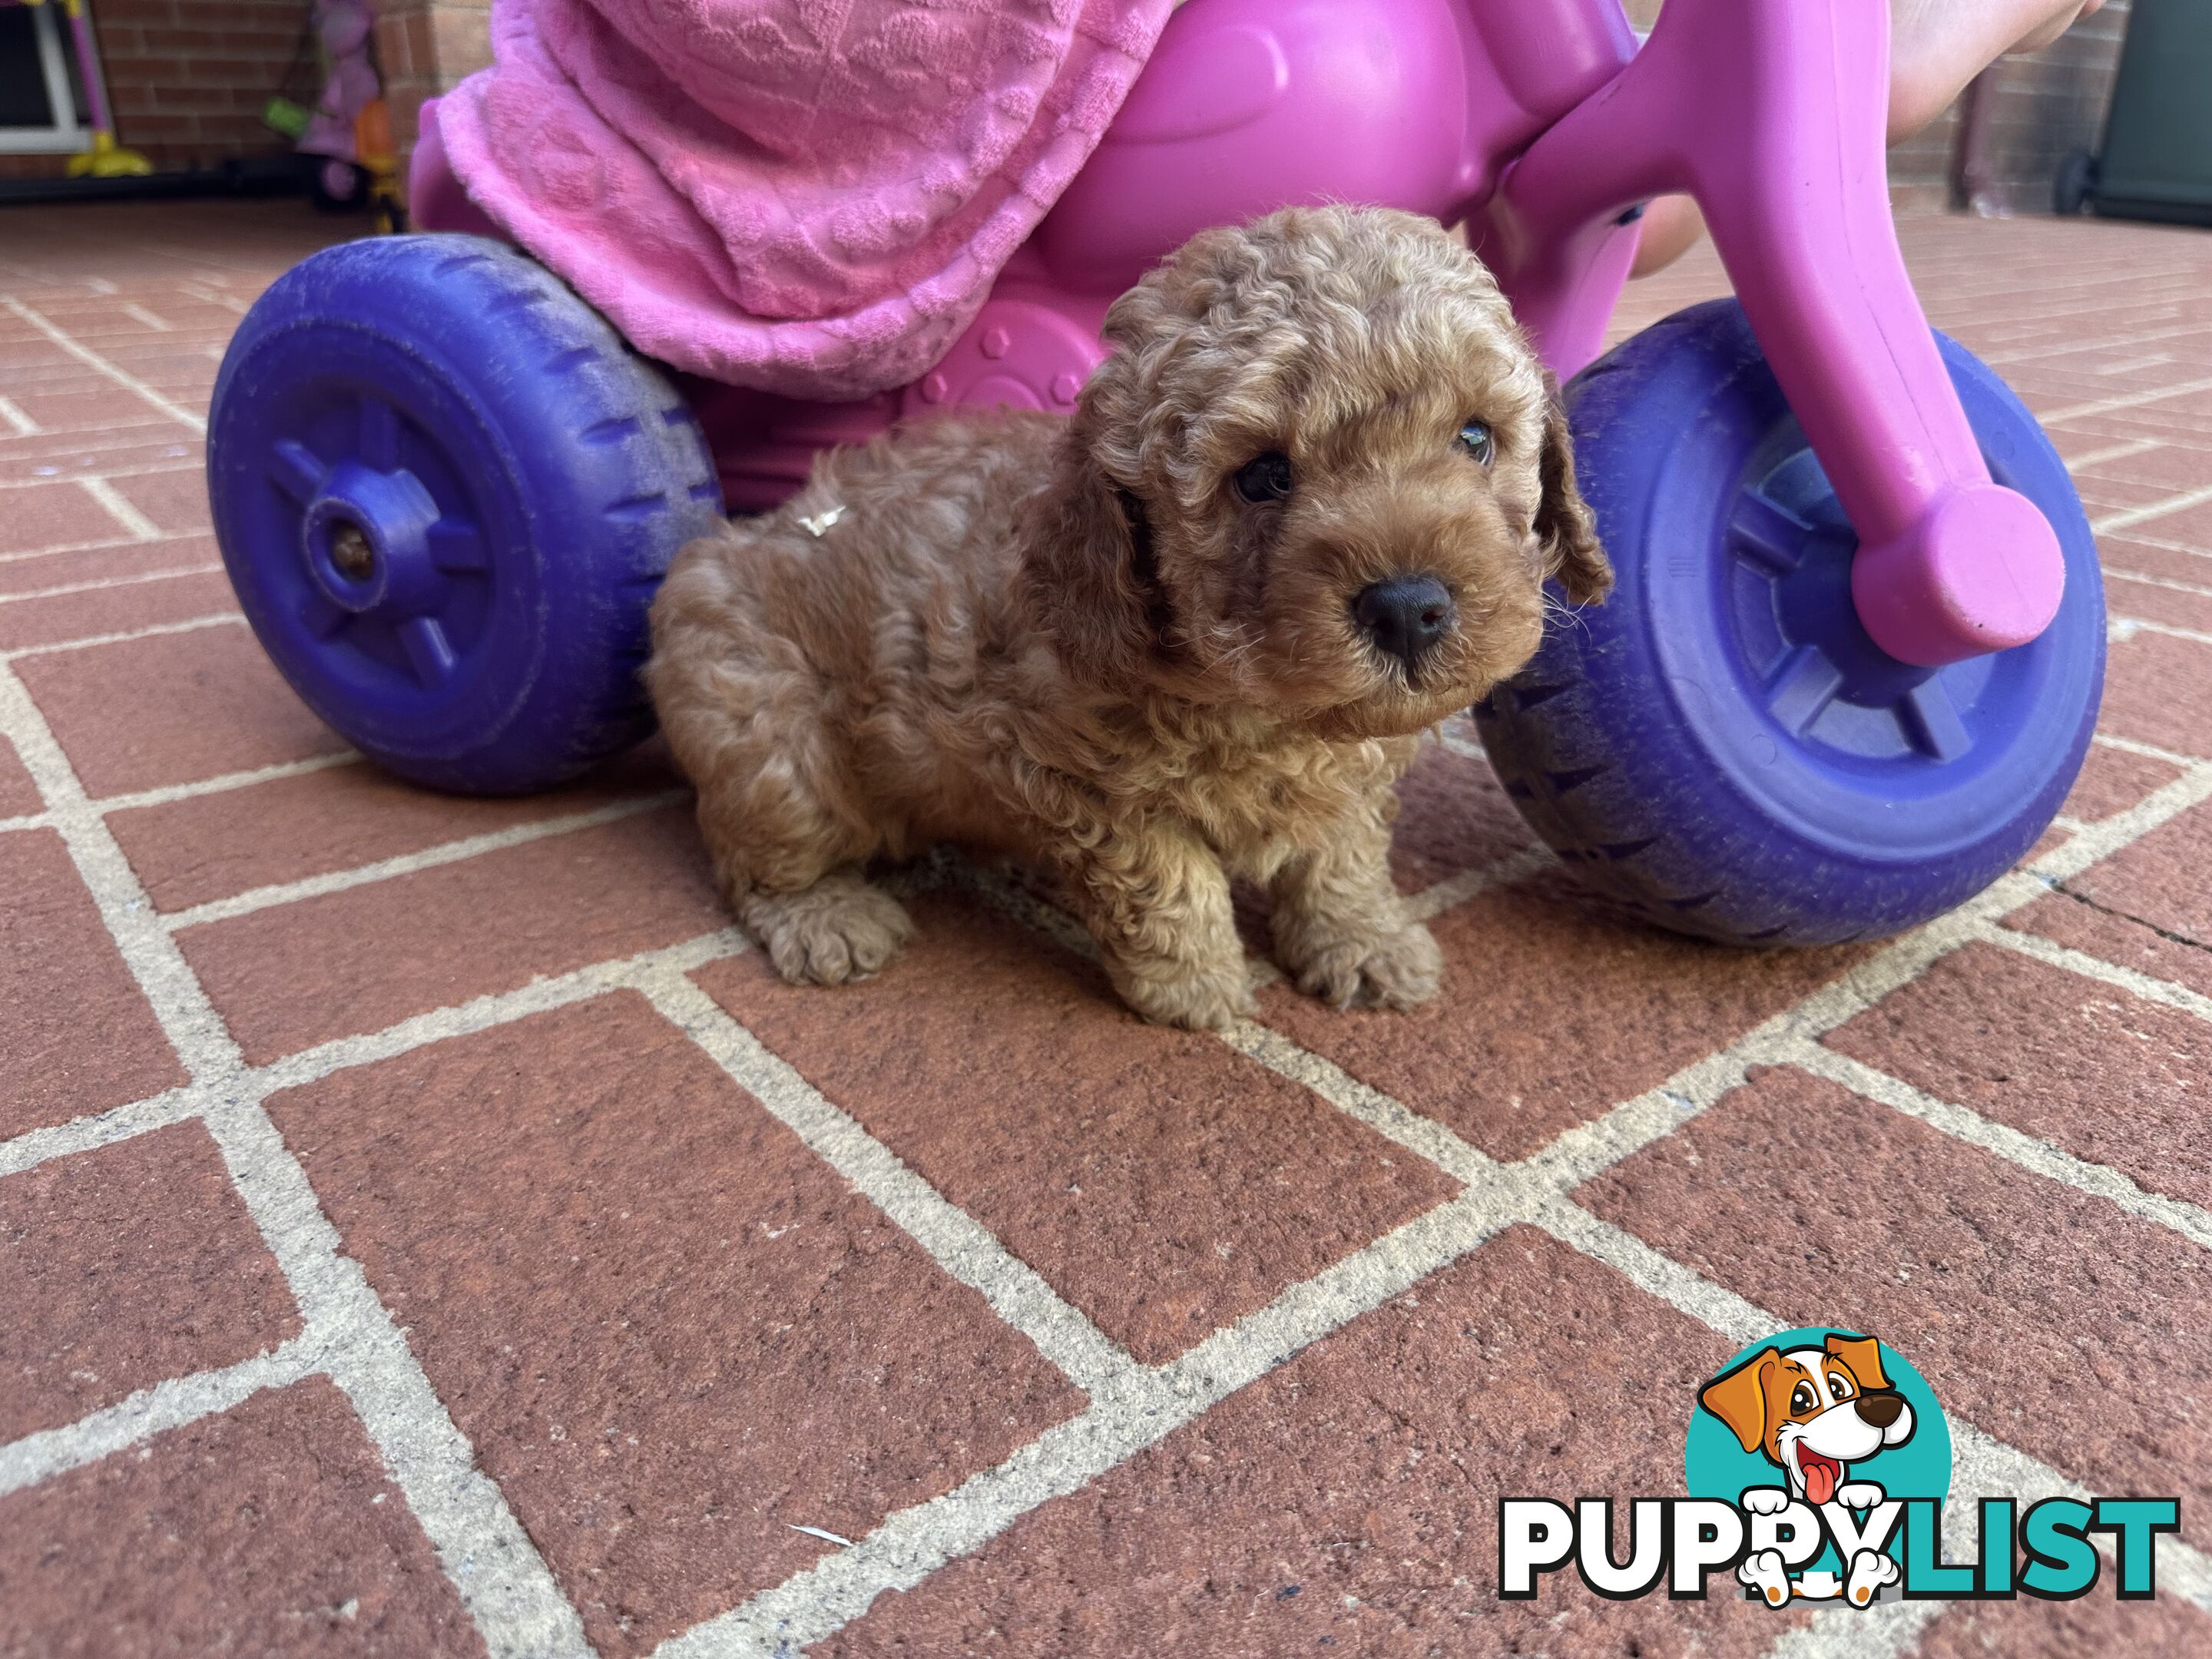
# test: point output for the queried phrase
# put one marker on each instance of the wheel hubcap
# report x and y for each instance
(384, 560)
(1820, 677)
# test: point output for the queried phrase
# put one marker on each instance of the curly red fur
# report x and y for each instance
(1073, 641)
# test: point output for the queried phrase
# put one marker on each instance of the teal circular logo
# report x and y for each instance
(1821, 1414)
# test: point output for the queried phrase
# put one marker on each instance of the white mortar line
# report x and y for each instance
(81, 1134)
(189, 625)
(2151, 751)
(481, 1013)
(1497, 1196)
(910, 1544)
(2114, 452)
(166, 1405)
(118, 507)
(224, 782)
(2113, 405)
(501, 1579)
(2167, 544)
(64, 589)
(1422, 1135)
(138, 313)
(2172, 330)
(406, 864)
(2159, 509)
(2114, 573)
(86, 457)
(100, 365)
(2044, 1158)
(60, 548)
(2144, 625)
(1455, 890)
(959, 1244)
(23, 425)
(2146, 986)
(518, 1608)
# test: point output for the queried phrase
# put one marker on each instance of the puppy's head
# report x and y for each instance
(1322, 474)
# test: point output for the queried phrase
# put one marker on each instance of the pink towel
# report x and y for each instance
(807, 196)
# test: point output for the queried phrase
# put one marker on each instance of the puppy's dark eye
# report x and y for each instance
(1838, 1388)
(1475, 438)
(1264, 477)
(1802, 1398)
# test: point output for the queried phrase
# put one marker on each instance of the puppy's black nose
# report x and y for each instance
(1405, 615)
(1880, 1409)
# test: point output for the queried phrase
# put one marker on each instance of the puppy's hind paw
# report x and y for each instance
(1399, 970)
(841, 929)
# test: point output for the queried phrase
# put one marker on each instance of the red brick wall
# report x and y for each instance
(423, 47)
(188, 78)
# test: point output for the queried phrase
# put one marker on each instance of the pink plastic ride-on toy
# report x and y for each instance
(1855, 656)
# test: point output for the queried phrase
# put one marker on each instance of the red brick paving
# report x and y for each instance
(62, 980)
(2127, 555)
(2116, 938)
(268, 1529)
(686, 1337)
(171, 709)
(2053, 1319)
(1554, 1009)
(2157, 692)
(1161, 1183)
(41, 572)
(2114, 780)
(287, 828)
(1525, 1369)
(2163, 1628)
(347, 963)
(2161, 879)
(18, 794)
(575, 1221)
(2111, 1077)
(176, 502)
(59, 617)
(1456, 817)
(125, 1265)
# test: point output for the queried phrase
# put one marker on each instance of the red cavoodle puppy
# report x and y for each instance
(1302, 513)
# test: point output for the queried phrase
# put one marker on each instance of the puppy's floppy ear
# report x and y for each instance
(1563, 525)
(1087, 571)
(1861, 1356)
(1739, 1399)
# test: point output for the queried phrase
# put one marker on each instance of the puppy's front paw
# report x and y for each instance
(1198, 1001)
(1765, 1500)
(1398, 970)
(839, 930)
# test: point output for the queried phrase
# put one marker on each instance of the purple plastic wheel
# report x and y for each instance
(1720, 744)
(446, 492)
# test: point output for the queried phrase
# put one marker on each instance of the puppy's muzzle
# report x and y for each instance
(1880, 1409)
(1404, 616)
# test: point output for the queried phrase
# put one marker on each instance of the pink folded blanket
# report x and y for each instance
(807, 196)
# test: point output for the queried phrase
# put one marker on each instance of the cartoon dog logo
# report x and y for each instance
(1812, 1413)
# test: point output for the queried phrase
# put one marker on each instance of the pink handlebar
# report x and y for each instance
(1784, 154)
